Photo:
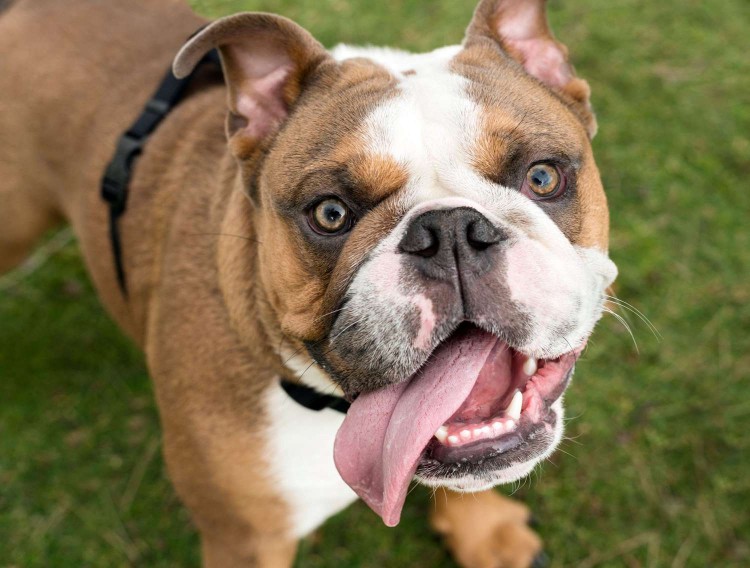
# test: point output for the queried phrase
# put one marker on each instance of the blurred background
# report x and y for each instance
(656, 468)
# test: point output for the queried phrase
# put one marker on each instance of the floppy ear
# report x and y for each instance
(266, 59)
(521, 29)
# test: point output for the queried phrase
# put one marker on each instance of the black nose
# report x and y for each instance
(446, 239)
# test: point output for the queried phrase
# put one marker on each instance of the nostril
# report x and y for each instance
(420, 241)
(481, 234)
(429, 251)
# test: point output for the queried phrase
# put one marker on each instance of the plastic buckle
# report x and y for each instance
(158, 107)
(117, 175)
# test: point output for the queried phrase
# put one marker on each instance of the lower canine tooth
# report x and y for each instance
(442, 434)
(514, 408)
(529, 367)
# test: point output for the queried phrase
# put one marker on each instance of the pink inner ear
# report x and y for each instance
(543, 59)
(523, 28)
(261, 102)
(260, 96)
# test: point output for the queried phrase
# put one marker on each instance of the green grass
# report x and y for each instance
(658, 471)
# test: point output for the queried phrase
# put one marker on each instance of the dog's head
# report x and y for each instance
(433, 235)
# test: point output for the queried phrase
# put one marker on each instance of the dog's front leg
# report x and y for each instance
(218, 553)
(485, 530)
(223, 480)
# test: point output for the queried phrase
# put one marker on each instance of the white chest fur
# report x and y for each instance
(301, 459)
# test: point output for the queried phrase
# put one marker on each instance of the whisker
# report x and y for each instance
(293, 355)
(330, 349)
(567, 453)
(413, 487)
(571, 418)
(624, 323)
(360, 320)
(306, 369)
(637, 312)
(571, 348)
(621, 304)
(341, 309)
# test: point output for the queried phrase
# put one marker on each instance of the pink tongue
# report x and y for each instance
(378, 446)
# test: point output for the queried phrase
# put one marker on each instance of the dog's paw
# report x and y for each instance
(486, 530)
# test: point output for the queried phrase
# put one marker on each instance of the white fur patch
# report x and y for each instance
(430, 126)
(300, 446)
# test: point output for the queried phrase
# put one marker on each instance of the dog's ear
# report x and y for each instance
(521, 29)
(266, 60)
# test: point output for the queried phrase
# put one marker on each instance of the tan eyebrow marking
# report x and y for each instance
(379, 175)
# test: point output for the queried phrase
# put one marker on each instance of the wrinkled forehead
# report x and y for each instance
(411, 128)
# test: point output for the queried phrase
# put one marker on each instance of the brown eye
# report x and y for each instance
(331, 216)
(544, 179)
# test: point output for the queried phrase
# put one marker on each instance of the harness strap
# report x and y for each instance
(130, 145)
(312, 399)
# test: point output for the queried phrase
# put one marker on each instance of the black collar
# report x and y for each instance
(312, 399)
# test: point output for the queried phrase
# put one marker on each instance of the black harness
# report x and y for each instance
(130, 145)
(115, 193)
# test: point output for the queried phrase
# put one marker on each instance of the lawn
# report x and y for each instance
(656, 470)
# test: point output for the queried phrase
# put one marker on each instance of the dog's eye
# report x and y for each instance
(545, 180)
(331, 216)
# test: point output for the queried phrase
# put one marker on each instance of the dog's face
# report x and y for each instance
(423, 217)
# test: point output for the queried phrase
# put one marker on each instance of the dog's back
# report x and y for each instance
(73, 75)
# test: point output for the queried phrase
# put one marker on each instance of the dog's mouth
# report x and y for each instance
(512, 395)
(475, 408)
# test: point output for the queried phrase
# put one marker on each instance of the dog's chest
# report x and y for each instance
(300, 449)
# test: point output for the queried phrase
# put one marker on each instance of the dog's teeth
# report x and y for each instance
(514, 408)
(442, 434)
(529, 367)
(486, 431)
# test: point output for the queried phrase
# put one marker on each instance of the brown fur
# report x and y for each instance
(72, 101)
(199, 280)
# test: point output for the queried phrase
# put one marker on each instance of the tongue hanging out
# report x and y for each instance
(382, 439)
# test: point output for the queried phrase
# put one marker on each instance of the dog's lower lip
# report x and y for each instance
(476, 451)
(486, 449)
(485, 459)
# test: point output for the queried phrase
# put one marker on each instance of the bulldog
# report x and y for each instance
(424, 235)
